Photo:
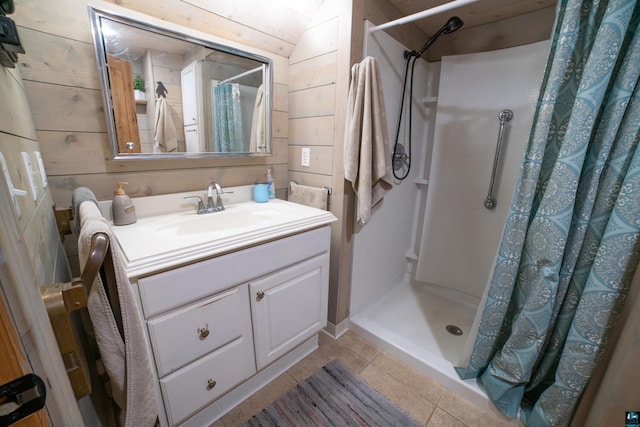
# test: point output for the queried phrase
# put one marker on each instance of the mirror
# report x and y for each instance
(169, 94)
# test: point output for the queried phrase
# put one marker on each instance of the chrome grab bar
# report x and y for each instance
(504, 117)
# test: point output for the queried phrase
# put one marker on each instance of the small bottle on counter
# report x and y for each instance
(270, 185)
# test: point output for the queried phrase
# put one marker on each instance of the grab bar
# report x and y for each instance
(504, 117)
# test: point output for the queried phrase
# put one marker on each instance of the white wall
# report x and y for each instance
(380, 245)
(460, 237)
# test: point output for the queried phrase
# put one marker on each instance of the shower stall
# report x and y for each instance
(421, 265)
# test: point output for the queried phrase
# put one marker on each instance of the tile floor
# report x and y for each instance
(426, 400)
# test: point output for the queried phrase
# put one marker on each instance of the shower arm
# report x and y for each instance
(504, 116)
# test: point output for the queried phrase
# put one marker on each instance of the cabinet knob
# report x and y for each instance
(259, 295)
(203, 332)
(210, 384)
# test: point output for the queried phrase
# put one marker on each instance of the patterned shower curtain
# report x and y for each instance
(570, 245)
(229, 136)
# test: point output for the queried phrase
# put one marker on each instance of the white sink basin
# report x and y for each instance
(172, 238)
(244, 216)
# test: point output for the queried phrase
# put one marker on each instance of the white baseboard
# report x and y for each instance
(336, 331)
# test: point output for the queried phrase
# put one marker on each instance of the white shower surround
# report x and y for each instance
(407, 317)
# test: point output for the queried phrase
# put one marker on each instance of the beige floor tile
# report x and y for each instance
(257, 402)
(441, 418)
(467, 412)
(323, 355)
(359, 345)
(399, 394)
(417, 381)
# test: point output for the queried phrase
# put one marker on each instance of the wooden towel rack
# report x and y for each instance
(62, 299)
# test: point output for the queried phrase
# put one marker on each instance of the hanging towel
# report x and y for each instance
(80, 195)
(258, 125)
(367, 155)
(165, 137)
(127, 361)
(310, 196)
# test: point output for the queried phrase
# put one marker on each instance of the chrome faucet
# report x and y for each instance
(213, 204)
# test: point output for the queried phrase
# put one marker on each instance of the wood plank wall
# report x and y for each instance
(35, 241)
(61, 80)
(318, 84)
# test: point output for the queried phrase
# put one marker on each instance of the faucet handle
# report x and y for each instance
(201, 207)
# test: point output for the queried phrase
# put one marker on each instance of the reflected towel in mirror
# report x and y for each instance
(258, 125)
(165, 137)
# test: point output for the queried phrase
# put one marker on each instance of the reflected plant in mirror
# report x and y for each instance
(199, 98)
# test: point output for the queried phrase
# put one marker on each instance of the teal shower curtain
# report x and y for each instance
(570, 245)
(229, 135)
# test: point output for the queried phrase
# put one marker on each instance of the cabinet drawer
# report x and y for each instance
(184, 335)
(189, 389)
(180, 286)
(288, 307)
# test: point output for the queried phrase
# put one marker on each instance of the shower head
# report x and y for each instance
(452, 25)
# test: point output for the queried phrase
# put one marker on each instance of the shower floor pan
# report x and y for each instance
(410, 322)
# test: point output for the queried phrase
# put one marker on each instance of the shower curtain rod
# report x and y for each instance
(246, 73)
(425, 13)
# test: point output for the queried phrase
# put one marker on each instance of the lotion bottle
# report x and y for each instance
(122, 209)
(270, 186)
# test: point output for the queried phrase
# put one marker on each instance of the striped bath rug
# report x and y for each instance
(333, 396)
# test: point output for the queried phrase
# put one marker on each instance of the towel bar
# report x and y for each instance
(99, 248)
(62, 299)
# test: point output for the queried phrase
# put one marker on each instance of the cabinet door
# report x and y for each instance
(288, 307)
(189, 94)
(192, 139)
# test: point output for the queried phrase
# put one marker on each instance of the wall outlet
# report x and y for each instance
(306, 154)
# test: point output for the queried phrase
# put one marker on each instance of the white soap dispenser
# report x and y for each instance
(270, 186)
(122, 209)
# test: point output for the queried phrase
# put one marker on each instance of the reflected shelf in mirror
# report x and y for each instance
(195, 97)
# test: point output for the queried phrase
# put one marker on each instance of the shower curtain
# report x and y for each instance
(228, 126)
(570, 244)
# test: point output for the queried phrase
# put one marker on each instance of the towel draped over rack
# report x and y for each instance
(367, 155)
(309, 196)
(117, 326)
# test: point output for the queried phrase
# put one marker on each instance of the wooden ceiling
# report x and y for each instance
(475, 14)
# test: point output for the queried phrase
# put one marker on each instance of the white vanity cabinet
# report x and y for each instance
(222, 327)
(288, 307)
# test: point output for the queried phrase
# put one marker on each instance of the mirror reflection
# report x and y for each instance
(168, 94)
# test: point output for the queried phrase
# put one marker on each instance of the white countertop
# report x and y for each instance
(169, 232)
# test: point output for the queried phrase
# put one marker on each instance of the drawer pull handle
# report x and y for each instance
(259, 295)
(203, 332)
(210, 384)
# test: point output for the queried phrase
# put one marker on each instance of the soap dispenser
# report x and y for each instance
(122, 209)
(271, 188)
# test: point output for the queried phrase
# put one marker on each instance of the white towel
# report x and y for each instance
(258, 125)
(165, 136)
(127, 361)
(367, 155)
(310, 196)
